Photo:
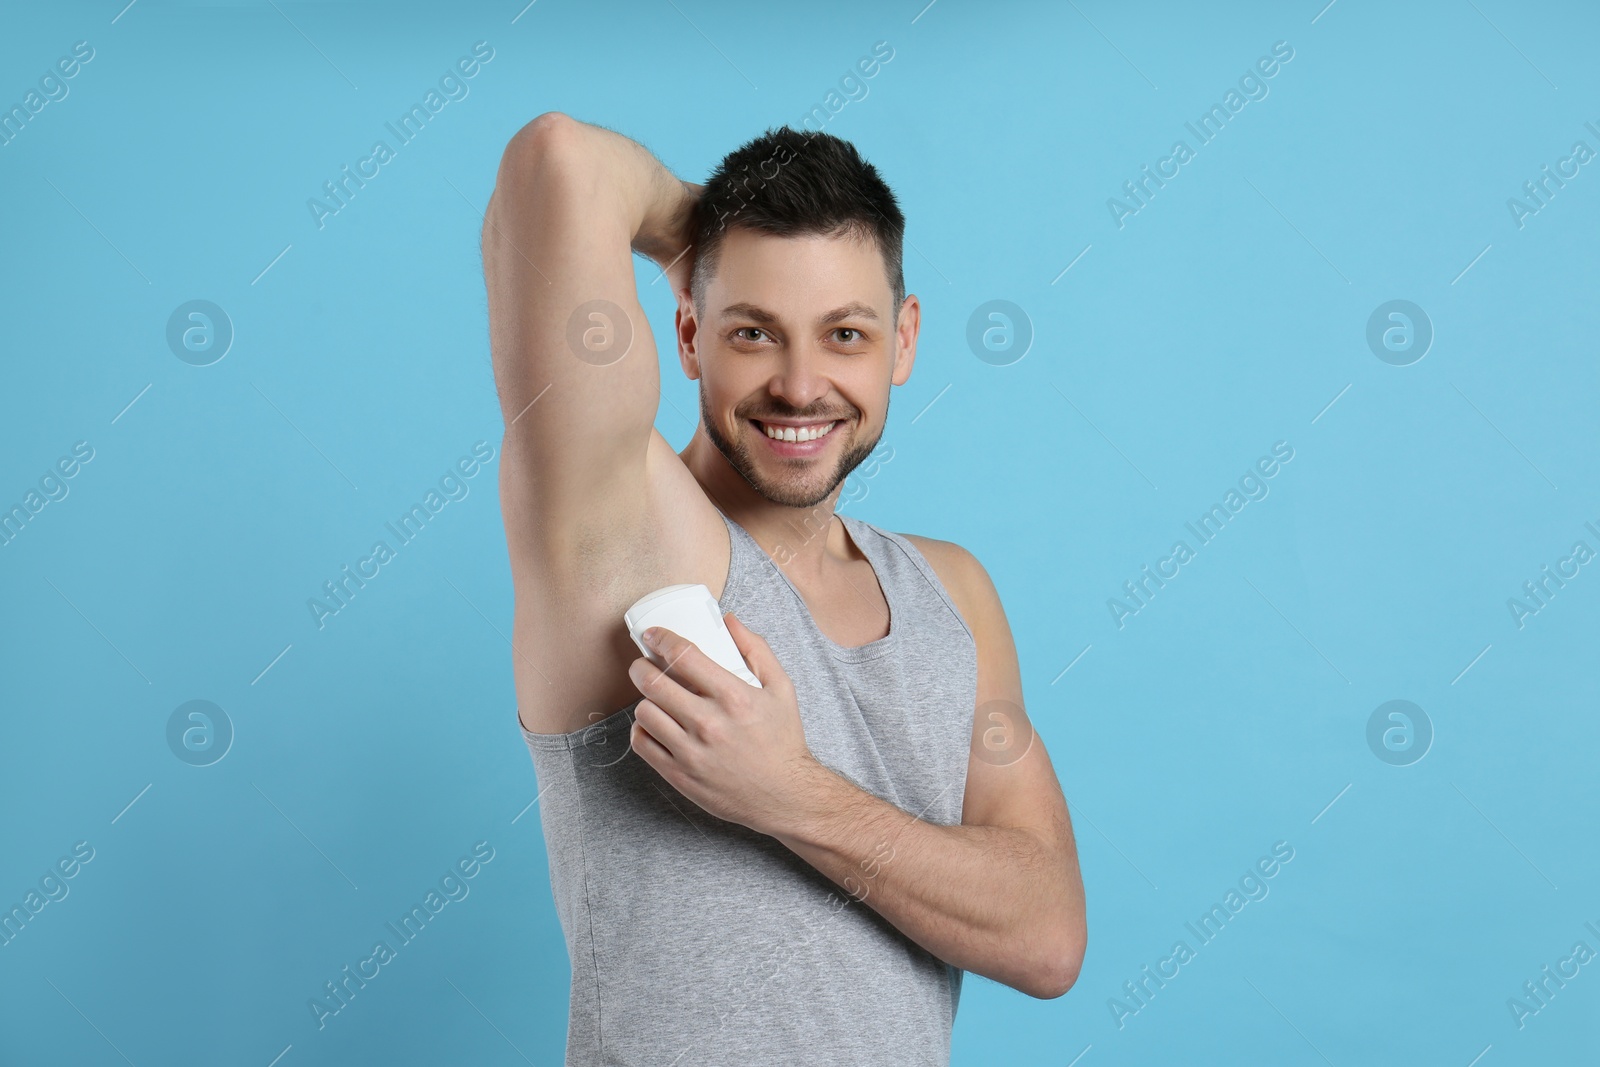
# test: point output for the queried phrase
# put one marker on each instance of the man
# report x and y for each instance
(798, 873)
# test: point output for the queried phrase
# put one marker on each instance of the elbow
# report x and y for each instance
(1058, 981)
(539, 167)
(1054, 980)
(1057, 971)
(552, 139)
(544, 133)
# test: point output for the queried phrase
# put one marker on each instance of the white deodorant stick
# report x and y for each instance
(691, 612)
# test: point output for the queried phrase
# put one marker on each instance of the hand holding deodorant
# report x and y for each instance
(693, 613)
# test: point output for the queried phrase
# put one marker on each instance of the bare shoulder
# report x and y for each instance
(949, 559)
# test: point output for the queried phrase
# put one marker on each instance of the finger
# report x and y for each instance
(755, 650)
(649, 749)
(663, 729)
(691, 667)
(683, 705)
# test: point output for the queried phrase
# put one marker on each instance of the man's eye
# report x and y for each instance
(855, 335)
(739, 333)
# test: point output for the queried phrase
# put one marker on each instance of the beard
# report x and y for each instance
(798, 486)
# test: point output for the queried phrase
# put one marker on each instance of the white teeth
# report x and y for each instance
(789, 433)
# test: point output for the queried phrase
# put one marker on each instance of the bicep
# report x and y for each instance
(1010, 779)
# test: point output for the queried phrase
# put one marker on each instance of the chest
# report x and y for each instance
(849, 608)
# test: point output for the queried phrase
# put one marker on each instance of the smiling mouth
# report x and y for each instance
(794, 433)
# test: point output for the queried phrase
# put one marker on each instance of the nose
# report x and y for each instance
(799, 380)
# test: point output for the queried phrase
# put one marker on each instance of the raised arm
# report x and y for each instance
(571, 203)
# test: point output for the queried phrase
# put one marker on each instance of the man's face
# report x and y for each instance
(798, 333)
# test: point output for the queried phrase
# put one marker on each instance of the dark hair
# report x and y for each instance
(792, 183)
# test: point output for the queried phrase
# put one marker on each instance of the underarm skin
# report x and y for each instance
(997, 901)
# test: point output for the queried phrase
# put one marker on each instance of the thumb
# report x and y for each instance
(755, 650)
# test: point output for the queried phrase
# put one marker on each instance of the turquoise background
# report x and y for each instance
(1229, 313)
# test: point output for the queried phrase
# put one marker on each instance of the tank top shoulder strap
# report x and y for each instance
(744, 557)
(892, 548)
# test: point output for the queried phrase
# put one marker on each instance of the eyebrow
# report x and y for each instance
(855, 309)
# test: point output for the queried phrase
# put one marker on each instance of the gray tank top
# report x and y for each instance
(696, 942)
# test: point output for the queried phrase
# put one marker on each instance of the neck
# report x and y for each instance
(801, 540)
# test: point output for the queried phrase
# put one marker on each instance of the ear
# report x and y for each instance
(687, 329)
(905, 341)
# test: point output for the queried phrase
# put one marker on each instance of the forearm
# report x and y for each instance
(998, 901)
